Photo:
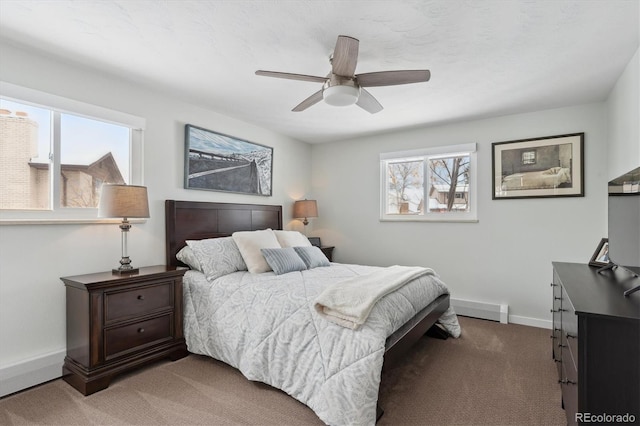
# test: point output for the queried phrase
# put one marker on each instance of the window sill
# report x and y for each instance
(65, 221)
(432, 220)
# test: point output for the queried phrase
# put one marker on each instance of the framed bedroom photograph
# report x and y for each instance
(551, 166)
(217, 162)
(600, 257)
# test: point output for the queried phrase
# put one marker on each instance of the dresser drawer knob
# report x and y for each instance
(140, 297)
(554, 285)
(141, 330)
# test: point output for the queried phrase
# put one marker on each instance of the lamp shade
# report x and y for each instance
(305, 208)
(126, 201)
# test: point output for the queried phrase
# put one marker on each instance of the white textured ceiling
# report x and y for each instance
(486, 58)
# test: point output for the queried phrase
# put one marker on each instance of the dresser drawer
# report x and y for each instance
(132, 337)
(140, 301)
(569, 394)
(569, 330)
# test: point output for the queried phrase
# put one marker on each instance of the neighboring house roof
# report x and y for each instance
(445, 187)
(104, 168)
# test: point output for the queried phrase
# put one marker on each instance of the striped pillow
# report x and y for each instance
(312, 257)
(283, 260)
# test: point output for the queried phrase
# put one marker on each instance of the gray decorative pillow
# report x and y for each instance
(312, 256)
(188, 257)
(283, 260)
(217, 256)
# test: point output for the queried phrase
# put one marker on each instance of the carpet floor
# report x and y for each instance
(495, 374)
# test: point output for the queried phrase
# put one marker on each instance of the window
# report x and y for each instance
(528, 157)
(56, 153)
(432, 184)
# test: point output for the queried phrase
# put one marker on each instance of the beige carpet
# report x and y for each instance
(495, 374)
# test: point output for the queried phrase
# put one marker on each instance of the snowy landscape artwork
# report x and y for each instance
(217, 162)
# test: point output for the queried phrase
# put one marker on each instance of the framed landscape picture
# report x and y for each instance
(218, 162)
(551, 166)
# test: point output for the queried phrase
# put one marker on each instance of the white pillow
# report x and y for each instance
(292, 239)
(217, 256)
(187, 256)
(250, 243)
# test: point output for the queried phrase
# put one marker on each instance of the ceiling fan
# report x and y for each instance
(342, 86)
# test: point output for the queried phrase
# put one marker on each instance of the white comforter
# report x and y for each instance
(265, 325)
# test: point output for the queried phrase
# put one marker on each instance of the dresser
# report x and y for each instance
(596, 345)
(119, 322)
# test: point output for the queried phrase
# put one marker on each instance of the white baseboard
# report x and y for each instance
(490, 311)
(495, 312)
(34, 371)
(533, 322)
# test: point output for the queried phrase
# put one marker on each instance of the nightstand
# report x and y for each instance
(328, 251)
(119, 322)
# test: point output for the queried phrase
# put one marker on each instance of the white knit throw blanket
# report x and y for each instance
(349, 302)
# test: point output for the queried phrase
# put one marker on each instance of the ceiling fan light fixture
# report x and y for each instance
(341, 95)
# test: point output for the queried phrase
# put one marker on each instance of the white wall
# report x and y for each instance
(623, 108)
(505, 257)
(33, 257)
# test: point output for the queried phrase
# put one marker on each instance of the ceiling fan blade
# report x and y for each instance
(367, 102)
(392, 78)
(345, 56)
(310, 101)
(290, 76)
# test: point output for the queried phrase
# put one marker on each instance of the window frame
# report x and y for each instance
(427, 154)
(61, 105)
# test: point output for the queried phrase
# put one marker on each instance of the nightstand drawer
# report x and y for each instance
(136, 302)
(135, 336)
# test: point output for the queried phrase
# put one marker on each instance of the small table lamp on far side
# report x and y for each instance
(305, 209)
(124, 201)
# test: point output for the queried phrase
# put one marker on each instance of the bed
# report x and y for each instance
(334, 370)
(544, 179)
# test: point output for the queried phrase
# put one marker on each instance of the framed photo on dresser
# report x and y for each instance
(600, 257)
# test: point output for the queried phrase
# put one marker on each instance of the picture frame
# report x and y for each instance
(550, 166)
(315, 241)
(217, 162)
(600, 257)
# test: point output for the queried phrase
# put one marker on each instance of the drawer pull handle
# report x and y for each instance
(560, 345)
(557, 298)
(553, 285)
(141, 330)
(566, 382)
(140, 297)
(571, 336)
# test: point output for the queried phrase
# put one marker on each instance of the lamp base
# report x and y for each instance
(125, 271)
(125, 267)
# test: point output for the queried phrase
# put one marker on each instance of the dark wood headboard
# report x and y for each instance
(196, 220)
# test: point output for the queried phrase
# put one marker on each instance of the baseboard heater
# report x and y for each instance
(489, 311)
